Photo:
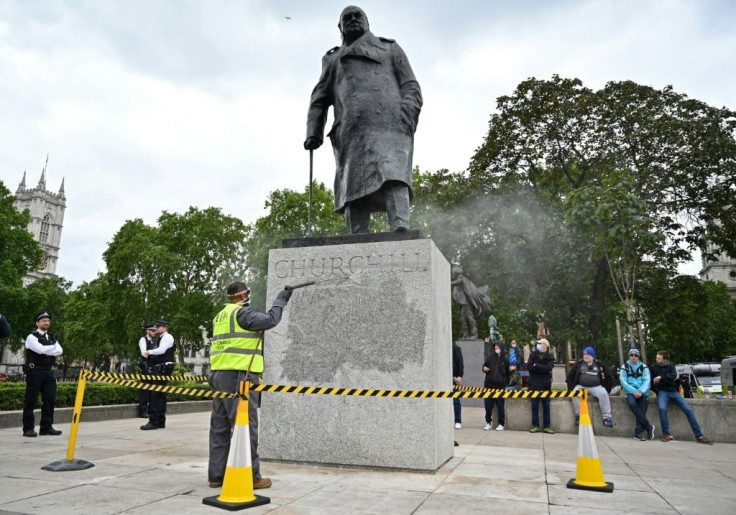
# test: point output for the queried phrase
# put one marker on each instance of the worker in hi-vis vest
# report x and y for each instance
(237, 351)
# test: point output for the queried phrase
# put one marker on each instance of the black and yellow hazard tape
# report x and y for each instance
(411, 394)
(148, 377)
(194, 392)
(326, 390)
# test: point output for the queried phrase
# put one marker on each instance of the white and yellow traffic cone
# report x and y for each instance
(589, 475)
(237, 486)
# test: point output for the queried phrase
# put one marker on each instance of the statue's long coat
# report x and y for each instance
(376, 101)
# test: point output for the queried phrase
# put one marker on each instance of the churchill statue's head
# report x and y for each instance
(353, 23)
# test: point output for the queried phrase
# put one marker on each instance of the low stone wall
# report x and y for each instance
(96, 413)
(716, 418)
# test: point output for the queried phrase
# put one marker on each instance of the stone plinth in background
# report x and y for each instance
(474, 355)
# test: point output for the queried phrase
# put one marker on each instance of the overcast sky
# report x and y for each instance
(152, 105)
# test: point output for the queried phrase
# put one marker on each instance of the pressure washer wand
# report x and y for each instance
(297, 286)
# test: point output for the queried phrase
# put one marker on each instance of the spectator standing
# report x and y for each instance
(664, 383)
(496, 367)
(594, 376)
(457, 378)
(635, 380)
(540, 365)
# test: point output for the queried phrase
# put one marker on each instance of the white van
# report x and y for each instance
(703, 377)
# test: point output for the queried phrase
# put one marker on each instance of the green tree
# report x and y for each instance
(90, 337)
(557, 136)
(177, 270)
(621, 230)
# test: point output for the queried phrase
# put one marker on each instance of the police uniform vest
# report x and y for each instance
(166, 357)
(42, 361)
(234, 348)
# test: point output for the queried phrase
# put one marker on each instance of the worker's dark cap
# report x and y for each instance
(150, 327)
(43, 314)
(236, 288)
(162, 322)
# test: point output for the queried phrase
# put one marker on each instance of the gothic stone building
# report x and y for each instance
(47, 220)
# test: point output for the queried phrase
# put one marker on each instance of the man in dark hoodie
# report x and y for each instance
(457, 378)
(496, 368)
(540, 365)
(664, 382)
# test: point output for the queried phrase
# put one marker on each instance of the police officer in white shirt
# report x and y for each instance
(145, 344)
(162, 363)
(41, 352)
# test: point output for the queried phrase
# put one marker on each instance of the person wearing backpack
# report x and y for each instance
(635, 379)
(594, 376)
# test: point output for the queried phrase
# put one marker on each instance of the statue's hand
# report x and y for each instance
(312, 143)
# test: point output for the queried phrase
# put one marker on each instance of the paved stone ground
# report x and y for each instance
(508, 472)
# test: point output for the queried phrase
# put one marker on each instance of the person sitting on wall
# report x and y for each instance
(594, 376)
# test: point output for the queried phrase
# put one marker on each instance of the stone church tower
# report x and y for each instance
(47, 220)
(723, 269)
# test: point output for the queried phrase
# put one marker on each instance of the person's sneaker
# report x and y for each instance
(215, 484)
(458, 425)
(548, 430)
(704, 441)
(608, 422)
(577, 420)
(500, 427)
(30, 434)
(487, 427)
(667, 438)
(49, 431)
(534, 429)
(650, 432)
(264, 482)
(640, 438)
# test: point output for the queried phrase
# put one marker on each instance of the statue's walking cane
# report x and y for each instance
(309, 210)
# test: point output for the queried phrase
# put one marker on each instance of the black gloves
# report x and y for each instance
(284, 296)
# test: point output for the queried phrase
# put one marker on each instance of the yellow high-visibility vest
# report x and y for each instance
(233, 347)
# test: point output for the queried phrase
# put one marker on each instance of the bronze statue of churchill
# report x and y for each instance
(376, 101)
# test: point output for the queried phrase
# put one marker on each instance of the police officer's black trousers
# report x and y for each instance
(144, 399)
(44, 382)
(157, 406)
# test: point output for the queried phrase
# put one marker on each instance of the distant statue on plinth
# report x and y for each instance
(474, 302)
(493, 331)
(376, 102)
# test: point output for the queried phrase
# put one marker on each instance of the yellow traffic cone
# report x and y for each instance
(589, 475)
(237, 486)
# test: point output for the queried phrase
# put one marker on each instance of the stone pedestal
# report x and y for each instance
(378, 317)
(474, 355)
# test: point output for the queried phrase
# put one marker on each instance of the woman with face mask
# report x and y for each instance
(496, 368)
(540, 365)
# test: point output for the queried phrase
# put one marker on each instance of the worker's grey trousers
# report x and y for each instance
(223, 421)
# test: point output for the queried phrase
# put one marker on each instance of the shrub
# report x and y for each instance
(12, 395)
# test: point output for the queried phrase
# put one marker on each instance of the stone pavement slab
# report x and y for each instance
(492, 471)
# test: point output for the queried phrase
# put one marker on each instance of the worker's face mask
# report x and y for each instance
(539, 347)
(497, 351)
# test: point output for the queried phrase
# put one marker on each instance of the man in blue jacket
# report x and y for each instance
(635, 380)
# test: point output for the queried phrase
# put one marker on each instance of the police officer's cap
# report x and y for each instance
(150, 327)
(43, 314)
(162, 322)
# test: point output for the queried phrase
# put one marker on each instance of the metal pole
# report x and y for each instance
(309, 212)
(618, 335)
(641, 341)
